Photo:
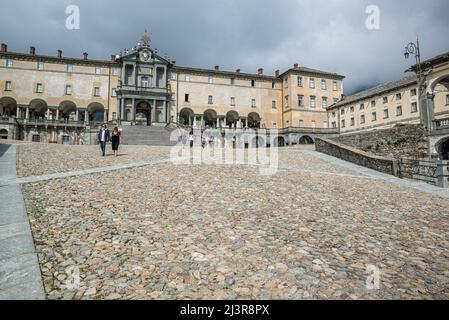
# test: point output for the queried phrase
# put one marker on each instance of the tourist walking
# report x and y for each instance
(116, 139)
(103, 137)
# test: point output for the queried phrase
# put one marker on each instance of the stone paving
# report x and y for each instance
(169, 231)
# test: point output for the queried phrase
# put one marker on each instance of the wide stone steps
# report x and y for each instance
(150, 136)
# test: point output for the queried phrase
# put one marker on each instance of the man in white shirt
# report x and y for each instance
(103, 138)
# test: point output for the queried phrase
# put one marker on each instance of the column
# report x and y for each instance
(153, 112)
(122, 109)
(133, 110)
(57, 114)
(27, 114)
(194, 122)
(86, 117)
(218, 122)
(202, 120)
(246, 123)
(105, 117)
(77, 115)
(224, 121)
(48, 114)
(18, 112)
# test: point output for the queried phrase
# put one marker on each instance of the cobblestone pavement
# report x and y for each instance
(199, 232)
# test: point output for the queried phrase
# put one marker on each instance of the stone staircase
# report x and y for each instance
(149, 136)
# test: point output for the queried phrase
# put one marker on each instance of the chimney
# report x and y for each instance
(60, 54)
(32, 51)
(217, 68)
(86, 55)
(237, 71)
(296, 65)
(4, 47)
(277, 73)
(260, 71)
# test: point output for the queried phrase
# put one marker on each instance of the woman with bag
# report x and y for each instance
(116, 139)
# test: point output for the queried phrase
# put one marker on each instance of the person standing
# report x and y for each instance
(191, 139)
(116, 139)
(103, 138)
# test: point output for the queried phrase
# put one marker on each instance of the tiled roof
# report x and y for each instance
(383, 88)
(225, 73)
(55, 59)
(313, 71)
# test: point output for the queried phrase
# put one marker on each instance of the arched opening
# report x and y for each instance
(254, 120)
(186, 117)
(279, 142)
(68, 109)
(8, 106)
(232, 117)
(96, 112)
(210, 118)
(306, 140)
(443, 148)
(143, 113)
(258, 142)
(3, 134)
(38, 109)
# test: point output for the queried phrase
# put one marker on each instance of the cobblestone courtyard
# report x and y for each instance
(169, 231)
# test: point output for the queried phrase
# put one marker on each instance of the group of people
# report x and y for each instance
(104, 136)
(207, 140)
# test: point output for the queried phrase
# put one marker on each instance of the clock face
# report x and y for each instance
(145, 55)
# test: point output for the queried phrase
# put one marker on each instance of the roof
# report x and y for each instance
(383, 88)
(313, 72)
(444, 57)
(55, 59)
(225, 73)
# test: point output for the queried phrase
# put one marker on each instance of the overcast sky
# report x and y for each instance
(246, 34)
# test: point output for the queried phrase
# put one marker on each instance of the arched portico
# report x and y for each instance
(306, 140)
(143, 112)
(8, 106)
(254, 120)
(442, 147)
(3, 134)
(67, 108)
(210, 118)
(186, 117)
(232, 118)
(96, 112)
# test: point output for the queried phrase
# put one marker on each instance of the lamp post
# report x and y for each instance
(414, 49)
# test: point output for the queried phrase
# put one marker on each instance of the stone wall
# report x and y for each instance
(74, 136)
(365, 159)
(400, 141)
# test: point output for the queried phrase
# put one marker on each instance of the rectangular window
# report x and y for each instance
(352, 122)
(413, 92)
(114, 92)
(210, 100)
(351, 109)
(253, 83)
(335, 86)
(373, 103)
(274, 105)
(232, 81)
(273, 85)
(312, 83)
(399, 111)
(324, 103)
(385, 100)
(300, 81)
(300, 100)
(9, 63)
(144, 83)
(342, 112)
(313, 102)
(362, 106)
(36, 138)
(233, 101)
(301, 123)
(374, 116)
(313, 124)
(187, 77)
(398, 96)
(70, 68)
(210, 79)
(414, 108)
(275, 125)
(286, 101)
(97, 92)
(68, 89)
(286, 82)
(447, 99)
(186, 97)
(334, 125)
(253, 103)
(97, 70)
(114, 116)
(40, 65)
(362, 119)
(39, 88)
(173, 75)
(386, 115)
(323, 84)
(8, 86)
(343, 123)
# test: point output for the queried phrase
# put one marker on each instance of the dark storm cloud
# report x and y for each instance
(246, 34)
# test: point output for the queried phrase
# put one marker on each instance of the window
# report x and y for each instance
(301, 123)
(275, 125)
(313, 124)
(399, 111)
(274, 105)
(144, 83)
(232, 80)
(210, 100)
(173, 75)
(114, 116)
(324, 103)
(9, 63)
(343, 123)
(70, 68)
(385, 100)
(374, 116)
(323, 84)
(233, 101)
(286, 101)
(186, 97)
(253, 83)
(253, 103)
(413, 92)
(362, 119)
(39, 88)
(334, 85)
(398, 96)
(313, 102)
(187, 77)
(210, 79)
(352, 122)
(40, 65)
(68, 89)
(97, 70)
(36, 138)
(114, 92)
(334, 125)
(300, 81)
(334, 114)
(273, 85)
(300, 100)
(386, 115)
(373, 103)
(447, 99)
(342, 112)
(351, 109)
(414, 107)
(312, 83)
(97, 92)
(8, 86)
(362, 106)
(286, 82)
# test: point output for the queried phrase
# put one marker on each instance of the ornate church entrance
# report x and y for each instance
(143, 113)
